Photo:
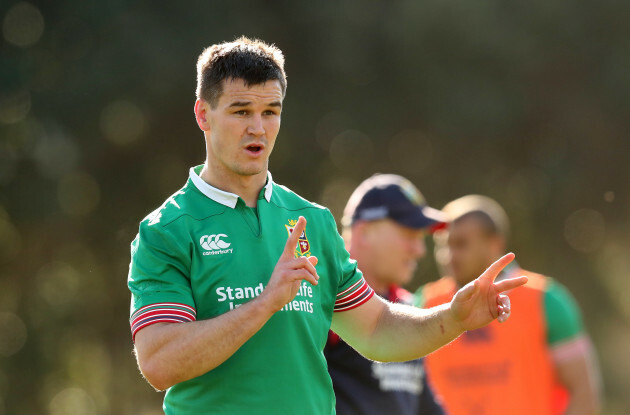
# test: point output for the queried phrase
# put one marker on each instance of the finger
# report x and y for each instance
(467, 291)
(313, 260)
(503, 317)
(503, 305)
(503, 301)
(510, 284)
(293, 239)
(494, 269)
(504, 308)
(301, 274)
(304, 263)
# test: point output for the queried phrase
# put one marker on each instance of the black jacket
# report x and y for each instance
(364, 387)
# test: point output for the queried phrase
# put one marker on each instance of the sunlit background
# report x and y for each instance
(526, 102)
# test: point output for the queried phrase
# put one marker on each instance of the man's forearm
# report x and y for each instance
(578, 370)
(169, 353)
(397, 332)
(414, 332)
(390, 332)
(583, 400)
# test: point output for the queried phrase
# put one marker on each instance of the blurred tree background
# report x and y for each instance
(527, 102)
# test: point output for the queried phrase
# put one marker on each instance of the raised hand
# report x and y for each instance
(480, 301)
(290, 271)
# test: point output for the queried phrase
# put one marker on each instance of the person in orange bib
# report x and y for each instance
(540, 362)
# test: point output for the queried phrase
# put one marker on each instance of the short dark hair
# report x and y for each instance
(483, 219)
(486, 211)
(251, 60)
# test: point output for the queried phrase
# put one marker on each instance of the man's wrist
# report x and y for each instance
(449, 324)
(266, 304)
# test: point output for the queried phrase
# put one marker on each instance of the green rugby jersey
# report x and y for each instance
(205, 252)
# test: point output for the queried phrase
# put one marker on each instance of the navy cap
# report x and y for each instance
(389, 196)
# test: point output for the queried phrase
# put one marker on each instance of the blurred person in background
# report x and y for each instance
(384, 225)
(540, 362)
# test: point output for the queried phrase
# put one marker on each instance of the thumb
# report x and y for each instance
(468, 291)
(313, 260)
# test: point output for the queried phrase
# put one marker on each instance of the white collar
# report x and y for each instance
(220, 196)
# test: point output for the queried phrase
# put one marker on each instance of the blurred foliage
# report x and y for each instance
(526, 102)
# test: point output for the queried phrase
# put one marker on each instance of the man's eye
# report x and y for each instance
(270, 112)
(241, 112)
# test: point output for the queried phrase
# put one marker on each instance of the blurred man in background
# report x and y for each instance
(385, 222)
(541, 362)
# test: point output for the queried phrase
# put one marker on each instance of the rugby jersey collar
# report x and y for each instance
(220, 196)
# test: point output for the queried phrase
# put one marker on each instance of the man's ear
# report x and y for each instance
(202, 109)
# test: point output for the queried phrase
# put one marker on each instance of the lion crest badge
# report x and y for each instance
(303, 247)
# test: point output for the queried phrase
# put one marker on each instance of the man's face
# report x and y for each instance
(466, 250)
(243, 126)
(391, 251)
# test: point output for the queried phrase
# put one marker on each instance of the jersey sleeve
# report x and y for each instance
(562, 314)
(352, 290)
(159, 280)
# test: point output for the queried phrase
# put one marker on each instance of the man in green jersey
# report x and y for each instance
(233, 296)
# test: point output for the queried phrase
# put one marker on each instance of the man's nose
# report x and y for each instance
(255, 126)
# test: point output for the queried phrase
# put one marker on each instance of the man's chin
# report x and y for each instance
(250, 170)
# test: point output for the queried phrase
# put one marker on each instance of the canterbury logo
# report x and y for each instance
(214, 242)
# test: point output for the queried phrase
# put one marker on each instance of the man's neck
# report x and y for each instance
(247, 187)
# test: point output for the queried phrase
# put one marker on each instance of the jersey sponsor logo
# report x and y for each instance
(303, 247)
(215, 245)
(237, 296)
